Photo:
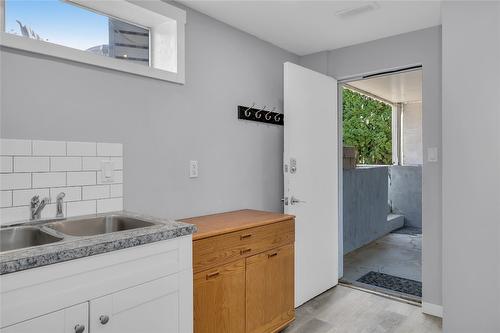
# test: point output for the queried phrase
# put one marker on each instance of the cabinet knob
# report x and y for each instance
(104, 319)
(79, 328)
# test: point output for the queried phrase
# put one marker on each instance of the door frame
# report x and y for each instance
(340, 122)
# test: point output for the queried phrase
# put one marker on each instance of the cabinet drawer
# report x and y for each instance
(216, 250)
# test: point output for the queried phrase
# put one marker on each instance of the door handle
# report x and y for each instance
(294, 200)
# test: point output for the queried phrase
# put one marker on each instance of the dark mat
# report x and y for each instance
(392, 282)
(408, 231)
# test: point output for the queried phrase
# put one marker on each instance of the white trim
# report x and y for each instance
(157, 15)
(432, 309)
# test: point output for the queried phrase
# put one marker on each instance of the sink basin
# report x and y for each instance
(98, 225)
(21, 237)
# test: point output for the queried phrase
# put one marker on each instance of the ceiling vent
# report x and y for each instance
(358, 10)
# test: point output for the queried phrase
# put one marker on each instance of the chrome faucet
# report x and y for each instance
(59, 204)
(37, 206)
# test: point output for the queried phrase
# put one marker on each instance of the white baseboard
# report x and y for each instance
(432, 309)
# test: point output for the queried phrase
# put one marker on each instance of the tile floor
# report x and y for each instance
(346, 310)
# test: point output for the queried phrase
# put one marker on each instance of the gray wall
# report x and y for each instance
(405, 193)
(419, 47)
(364, 206)
(164, 125)
(471, 165)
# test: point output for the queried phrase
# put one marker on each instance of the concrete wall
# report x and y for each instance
(419, 47)
(164, 125)
(405, 193)
(364, 205)
(471, 165)
(412, 134)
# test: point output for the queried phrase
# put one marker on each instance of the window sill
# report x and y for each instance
(67, 53)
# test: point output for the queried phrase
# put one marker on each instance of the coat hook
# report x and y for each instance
(277, 117)
(269, 114)
(257, 114)
(249, 114)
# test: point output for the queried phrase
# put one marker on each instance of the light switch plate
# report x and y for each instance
(107, 168)
(432, 154)
(193, 169)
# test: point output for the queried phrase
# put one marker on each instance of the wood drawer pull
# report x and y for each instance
(245, 251)
(270, 255)
(212, 275)
(242, 237)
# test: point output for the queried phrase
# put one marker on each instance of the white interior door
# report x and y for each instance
(311, 177)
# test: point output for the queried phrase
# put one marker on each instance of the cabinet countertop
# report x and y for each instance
(79, 247)
(222, 223)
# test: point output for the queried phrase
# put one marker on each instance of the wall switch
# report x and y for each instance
(107, 171)
(193, 169)
(432, 154)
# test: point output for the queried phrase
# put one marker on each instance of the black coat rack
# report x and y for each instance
(260, 114)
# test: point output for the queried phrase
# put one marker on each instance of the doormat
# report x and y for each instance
(392, 282)
(414, 231)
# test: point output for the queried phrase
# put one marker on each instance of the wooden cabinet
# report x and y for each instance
(69, 320)
(243, 265)
(270, 289)
(219, 299)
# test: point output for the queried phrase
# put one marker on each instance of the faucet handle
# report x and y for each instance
(60, 196)
(35, 200)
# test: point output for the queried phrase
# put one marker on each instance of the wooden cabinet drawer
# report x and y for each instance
(216, 250)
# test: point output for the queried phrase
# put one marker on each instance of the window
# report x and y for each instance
(145, 38)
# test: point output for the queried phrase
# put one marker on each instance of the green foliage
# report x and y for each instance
(367, 126)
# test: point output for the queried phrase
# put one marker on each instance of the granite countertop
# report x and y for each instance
(72, 247)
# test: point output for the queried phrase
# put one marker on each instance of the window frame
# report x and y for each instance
(165, 22)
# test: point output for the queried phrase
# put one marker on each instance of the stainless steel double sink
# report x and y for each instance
(23, 236)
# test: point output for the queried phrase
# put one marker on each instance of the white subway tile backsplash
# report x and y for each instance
(23, 197)
(31, 164)
(49, 148)
(65, 163)
(47, 168)
(117, 163)
(49, 179)
(15, 147)
(109, 205)
(82, 148)
(13, 214)
(5, 199)
(95, 192)
(109, 149)
(6, 164)
(81, 208)
(116, 190)
(71, 193)
(12, 181)
(117, 178)
(81, 178)
(93, 163)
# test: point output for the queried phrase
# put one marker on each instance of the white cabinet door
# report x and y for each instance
(152, 307)
(69, 320)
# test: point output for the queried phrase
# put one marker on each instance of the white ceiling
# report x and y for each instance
(396, 88)
(305, 27)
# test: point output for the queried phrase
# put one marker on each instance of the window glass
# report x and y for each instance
(69, 25)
